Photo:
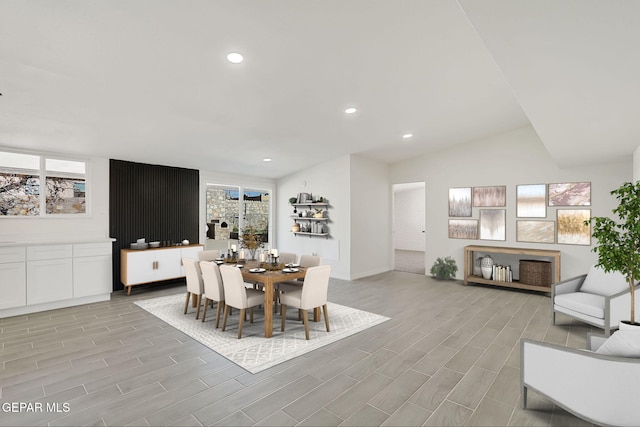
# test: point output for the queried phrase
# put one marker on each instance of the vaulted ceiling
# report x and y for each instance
(148, 80)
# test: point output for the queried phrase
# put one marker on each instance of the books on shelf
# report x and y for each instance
(502, 273)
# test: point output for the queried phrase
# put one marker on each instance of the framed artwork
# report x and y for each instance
(571, 228)
(531, 201)
(493, 224)
(570, 194)
(460, 201)
(490, 196)
(463, 229)
(536, 231)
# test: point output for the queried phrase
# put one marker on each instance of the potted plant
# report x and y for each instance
(619, 241)
(444, 268)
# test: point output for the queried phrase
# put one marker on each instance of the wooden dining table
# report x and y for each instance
(268, 279)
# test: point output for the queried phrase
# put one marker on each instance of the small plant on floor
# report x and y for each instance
(444, 268)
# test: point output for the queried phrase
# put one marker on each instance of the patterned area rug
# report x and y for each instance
(253, 351)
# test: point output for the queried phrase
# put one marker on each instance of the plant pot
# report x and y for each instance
(625, 325)
(487, 272)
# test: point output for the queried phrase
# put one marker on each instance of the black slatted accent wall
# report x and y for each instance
(151, 201)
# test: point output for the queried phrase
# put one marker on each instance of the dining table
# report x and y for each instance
(268, 279)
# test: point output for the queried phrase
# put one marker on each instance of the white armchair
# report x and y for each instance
(597, 298)
(597, 388)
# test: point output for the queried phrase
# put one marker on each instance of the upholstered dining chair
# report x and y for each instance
(238, 296)
(313, 294)
(208, 255)
(195, 285)
(213, 288)
(306, 261)
(288, 258)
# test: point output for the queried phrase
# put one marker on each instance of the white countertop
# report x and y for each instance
(55, 242)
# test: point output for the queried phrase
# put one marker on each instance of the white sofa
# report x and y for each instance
(597, 388)
(597, 298)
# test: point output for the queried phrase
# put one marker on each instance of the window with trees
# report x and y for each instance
(35, 186)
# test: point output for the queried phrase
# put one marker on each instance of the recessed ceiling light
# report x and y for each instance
(407, 135)
(350, 110)
(266, 159)
(235, 58)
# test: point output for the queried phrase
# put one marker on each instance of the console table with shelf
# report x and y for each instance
(520, 253)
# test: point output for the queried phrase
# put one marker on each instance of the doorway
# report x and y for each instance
(409, 227)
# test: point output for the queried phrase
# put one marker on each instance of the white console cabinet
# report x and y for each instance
(43, 276)
(154, 265)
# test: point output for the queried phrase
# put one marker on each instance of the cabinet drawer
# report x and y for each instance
(35, 253)
(91, 249)
(12, 254)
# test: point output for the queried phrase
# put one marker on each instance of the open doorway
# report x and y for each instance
(409, 227)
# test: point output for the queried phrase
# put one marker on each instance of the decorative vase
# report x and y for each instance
(487, 266)
(477, 267)
(624, 325)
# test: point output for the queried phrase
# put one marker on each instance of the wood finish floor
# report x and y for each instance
(449, 356)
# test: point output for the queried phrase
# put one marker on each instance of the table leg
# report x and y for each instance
(268, 310)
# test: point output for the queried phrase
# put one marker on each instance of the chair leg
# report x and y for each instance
(283, 314)
(224, 321)
(220, 303)
(305, 319)
(326, 316)
(204, 312)
(243, 312)
(198, 301)
(186, 304)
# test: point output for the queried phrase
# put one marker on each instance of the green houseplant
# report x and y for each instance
(444, 268)
(618, 246)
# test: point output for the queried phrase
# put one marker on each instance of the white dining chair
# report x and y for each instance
(213, 288)
(306, 261)
(238, 296)
(208, 255)
(288, 258)
(195, 285)
(312, 295)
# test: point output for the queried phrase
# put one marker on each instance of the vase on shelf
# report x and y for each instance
(477, 267)
(487, 266)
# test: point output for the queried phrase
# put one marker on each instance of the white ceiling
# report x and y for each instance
(147, 80)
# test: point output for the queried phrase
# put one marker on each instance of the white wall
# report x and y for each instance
(370, 218)
(512, 158)
(409, 219)
(94, 225)
(330, 180)
(636, 164)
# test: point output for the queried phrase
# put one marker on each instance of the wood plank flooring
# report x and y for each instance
(449, 356)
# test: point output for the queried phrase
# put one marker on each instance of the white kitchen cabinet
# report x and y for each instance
(92, 269)
(153, 265)
(49, 275)
(49, 280)
(13, 284)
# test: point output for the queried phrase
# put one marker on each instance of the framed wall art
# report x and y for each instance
(570, 194)
(460, 202)
(493, 224)
(490, 196)
(571, 228)
(531, 201)
(463, 229)
(536, 231)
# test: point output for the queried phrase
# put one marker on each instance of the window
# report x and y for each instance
(21, 192)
